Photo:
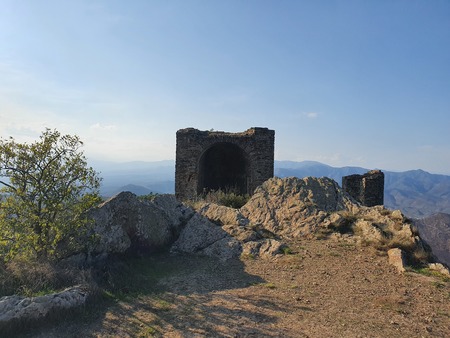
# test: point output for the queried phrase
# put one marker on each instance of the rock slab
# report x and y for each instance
(18, 309)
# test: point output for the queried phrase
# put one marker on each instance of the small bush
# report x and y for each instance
(345, 224)
(149, 197)
(228, 198)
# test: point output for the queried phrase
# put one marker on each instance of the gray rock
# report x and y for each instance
(271, 247)
(241, 233)
(18, 309)
(265, 248)
(198, 234)
(251, 248)
(224, 249)
(223, 215)
(201, 236)
(125, 222)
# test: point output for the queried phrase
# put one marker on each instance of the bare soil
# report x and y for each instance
(325, 288)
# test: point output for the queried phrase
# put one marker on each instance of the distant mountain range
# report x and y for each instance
(141, 178)
(416, 193)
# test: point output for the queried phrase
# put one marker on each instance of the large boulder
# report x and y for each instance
(293, 206)
(126, 222)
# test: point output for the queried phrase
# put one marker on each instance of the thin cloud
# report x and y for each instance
(108, 127)
(311, 115)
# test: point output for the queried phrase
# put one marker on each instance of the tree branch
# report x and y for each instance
(8, 185)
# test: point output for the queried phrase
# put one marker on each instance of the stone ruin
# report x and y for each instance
(367, 189)
(213, 160)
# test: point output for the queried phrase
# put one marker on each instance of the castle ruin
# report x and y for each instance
(367, 189)
(213, 160)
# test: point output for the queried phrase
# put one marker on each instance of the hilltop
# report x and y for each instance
(299, 259)
(323, 288)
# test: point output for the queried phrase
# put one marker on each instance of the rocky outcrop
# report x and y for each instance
(223, 215)
(293, 206)
(279, 208)
(225, 233)
(376, 225)
(440, 268)
(15, 310)
(125, 223)
(265, 248)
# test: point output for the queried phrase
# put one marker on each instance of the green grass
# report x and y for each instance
(287, 250)
(148, 331)
(248, 256)
(269, 285)
(432, 273)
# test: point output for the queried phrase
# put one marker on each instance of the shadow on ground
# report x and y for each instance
(179, 296)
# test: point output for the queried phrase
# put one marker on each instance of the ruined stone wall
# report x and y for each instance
(368, 189)
(206, 160)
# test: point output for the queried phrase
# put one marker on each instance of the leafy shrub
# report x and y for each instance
(46, 189)
(226, 198)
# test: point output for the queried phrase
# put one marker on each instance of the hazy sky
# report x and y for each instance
(363, 83)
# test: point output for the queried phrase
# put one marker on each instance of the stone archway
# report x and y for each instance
(223, 166)
(211, 160)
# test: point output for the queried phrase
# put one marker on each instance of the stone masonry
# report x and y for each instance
(212, 160)
(368, 189)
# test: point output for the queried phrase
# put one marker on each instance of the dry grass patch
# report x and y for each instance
(29, 277)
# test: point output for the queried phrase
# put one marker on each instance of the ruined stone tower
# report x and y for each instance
(368, 189)
(212, 160)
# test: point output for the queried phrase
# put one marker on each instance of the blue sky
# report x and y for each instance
(364, 83)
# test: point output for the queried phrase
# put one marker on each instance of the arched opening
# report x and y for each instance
(223, 166)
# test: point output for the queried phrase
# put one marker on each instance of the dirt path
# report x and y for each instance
(325, 288)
